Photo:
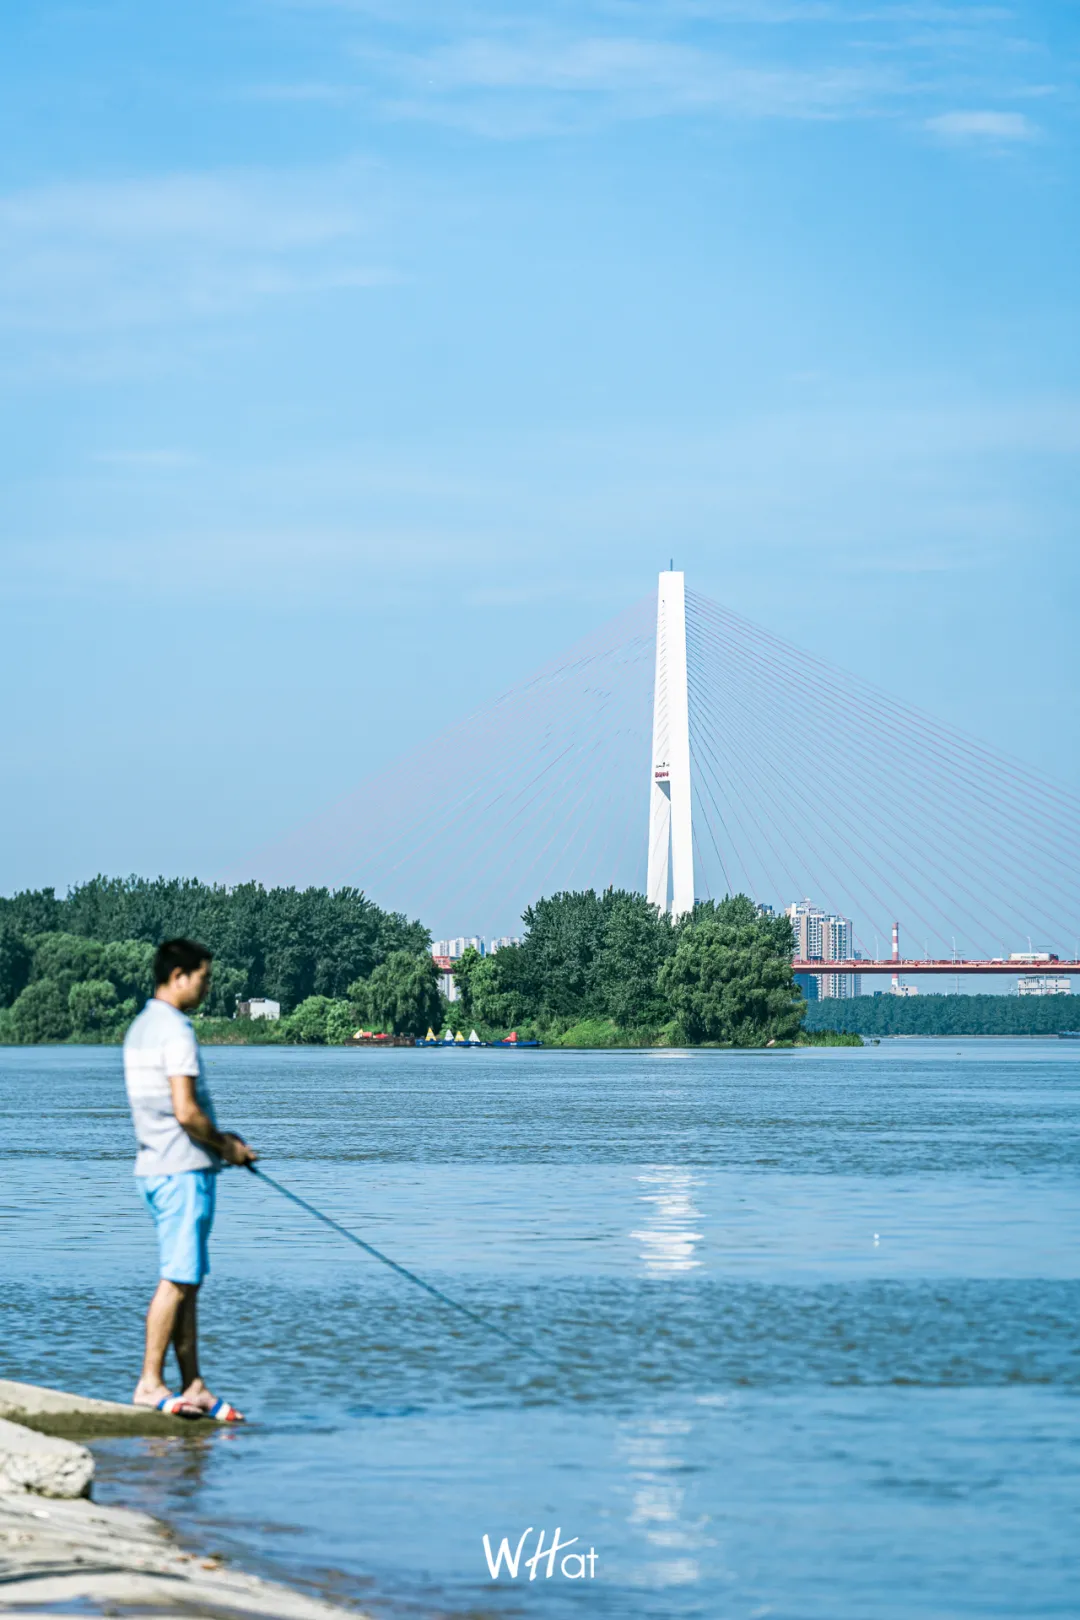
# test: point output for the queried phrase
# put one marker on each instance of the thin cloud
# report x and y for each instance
(810, 13)
(984, 127)
(502, 69)
(634, 77)
(133, 253)
(447, 13)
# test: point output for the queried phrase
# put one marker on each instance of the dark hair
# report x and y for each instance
(179, 953)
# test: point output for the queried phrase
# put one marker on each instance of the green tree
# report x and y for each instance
(128, 964)
(64, 959)
(41, 1013)
(464, 968)
(308, 1022)
(96, 1010)
(341, 1022)
(558, 965)
(636, 942)
(33, 911)
(15, 957)
(402, 994)
(595, 956)
(284, 943)
(585, 956)
(729, 978)
(497, 989)
(227, 987)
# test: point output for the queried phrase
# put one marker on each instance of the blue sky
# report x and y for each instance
(356, 357)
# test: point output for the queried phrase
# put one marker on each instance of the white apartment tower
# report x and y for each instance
(824, 936)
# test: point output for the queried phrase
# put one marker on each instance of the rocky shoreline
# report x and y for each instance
(61, 1552)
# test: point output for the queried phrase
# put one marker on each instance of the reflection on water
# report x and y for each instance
(669, 1237)
(657, 1465)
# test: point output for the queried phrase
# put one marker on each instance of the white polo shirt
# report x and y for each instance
(161, 1042)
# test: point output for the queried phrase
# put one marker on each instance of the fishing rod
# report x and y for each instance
(402, 1271)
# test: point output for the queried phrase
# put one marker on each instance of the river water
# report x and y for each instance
(811, 1321)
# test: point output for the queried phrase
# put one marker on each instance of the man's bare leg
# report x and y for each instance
(185, 1341)
(185, 1337)
(161, 1321)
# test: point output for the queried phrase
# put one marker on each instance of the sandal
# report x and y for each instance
(176, 1406)
(222, 1412)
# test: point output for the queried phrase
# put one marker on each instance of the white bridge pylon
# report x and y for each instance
(671, 844)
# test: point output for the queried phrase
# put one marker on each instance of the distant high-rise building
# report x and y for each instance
(806, 920)
(836, 938)
(1044, 984)
(455, 948)
(823, 936)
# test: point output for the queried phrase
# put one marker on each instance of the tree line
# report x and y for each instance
(593, 969)
(80, 966)
(602, 969)
(946, 1015)
(609, 969)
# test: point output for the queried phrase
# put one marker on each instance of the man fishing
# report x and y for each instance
(180, 1151)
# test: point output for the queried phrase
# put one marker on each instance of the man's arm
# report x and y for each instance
(198, 1125)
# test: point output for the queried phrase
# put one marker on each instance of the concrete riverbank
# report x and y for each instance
(61, 1552)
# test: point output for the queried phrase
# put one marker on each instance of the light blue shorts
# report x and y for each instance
(183, 1209)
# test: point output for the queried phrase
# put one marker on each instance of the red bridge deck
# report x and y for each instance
(1051, 970)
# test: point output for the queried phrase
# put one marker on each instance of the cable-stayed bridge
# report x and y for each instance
(683, 751)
